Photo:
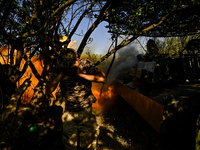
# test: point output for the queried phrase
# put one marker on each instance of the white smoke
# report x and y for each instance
(126, 58)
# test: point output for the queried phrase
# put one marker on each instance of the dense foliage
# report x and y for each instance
(154, 18)
(176, 45)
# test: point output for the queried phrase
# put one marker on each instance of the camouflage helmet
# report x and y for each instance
(67, 58)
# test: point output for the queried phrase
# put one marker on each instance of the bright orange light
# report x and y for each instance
(106, 99)
(28, 94)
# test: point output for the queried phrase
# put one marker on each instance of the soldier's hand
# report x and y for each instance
(76, 64)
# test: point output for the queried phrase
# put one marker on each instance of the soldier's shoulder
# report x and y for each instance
(85, 62)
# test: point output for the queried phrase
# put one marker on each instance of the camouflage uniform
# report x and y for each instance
(79, 123)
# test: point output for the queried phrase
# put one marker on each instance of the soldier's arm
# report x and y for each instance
(98, 76)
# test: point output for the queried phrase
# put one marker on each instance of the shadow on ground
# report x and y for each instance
(121, 128)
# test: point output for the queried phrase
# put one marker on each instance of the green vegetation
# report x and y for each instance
(174, 45)
(92, 57)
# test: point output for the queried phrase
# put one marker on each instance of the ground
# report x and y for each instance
(121, 128)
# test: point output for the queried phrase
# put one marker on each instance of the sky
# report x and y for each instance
(101, 39)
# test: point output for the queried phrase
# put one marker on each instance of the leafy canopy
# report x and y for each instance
(166, 17)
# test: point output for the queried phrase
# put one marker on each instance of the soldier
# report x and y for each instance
(75, 77)
(152, 51)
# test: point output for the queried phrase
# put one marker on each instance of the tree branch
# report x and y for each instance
(93, 26)
(35, 72)
(6, 13)
(169, 15)
(78, 23)
(60, 9)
